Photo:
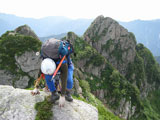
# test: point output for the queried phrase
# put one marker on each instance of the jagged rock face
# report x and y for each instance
(18, 104)
(93, 69)
(25, 64)
(77, 87)
(29, 63)
(26, 30)
(119, 47)
(6, 78)
(113, 41)
(125, 109)
(76, 110)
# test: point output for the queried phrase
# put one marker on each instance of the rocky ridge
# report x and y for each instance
(26, 64)
(91, 67)
(112, 41)
(18, 104)
(116, 67)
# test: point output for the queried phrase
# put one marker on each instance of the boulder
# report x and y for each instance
(76, 110)
(18, 104)
(29, 63)
(6, 78)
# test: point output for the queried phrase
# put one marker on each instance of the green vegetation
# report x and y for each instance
(154, 98)
(11, 45)
(136, 71)
(152, 70)
(85, 51)
(16, 45)
(157, 59)
(95, 37)
(116, 50)
(103, 113)
(132, 36)
(104, 32)
(143, 69)
(151, 108)
(93, 33)
(44, 110)
(107, 45)
(119, 88)
(109, 80)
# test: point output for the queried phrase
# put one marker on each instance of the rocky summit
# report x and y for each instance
(112, 41)
(18, 104)
(19, 64)
(25, 30)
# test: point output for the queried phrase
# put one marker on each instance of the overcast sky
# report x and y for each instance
(124, 10)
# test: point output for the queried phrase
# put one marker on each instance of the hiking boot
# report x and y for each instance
(68, 96)
(54, 97)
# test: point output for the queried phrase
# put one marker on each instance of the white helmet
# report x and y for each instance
(48, 66)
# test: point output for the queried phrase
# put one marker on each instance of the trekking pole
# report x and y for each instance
(58, 67)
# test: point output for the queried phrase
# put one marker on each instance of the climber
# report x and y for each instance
(52, 52)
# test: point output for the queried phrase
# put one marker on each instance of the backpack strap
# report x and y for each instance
(62, 62)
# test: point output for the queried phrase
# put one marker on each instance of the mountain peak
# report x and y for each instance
(113, 41)
(26, 30)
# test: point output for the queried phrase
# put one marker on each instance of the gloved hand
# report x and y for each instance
(46, 90)
(35, 91)
(62, 101)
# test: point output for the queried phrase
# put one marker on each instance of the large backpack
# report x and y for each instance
(54, 49)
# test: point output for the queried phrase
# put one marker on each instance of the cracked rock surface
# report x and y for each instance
(18, 104)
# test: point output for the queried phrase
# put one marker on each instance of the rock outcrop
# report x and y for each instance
(29, 62)
(112, 41)
(25, 64)
(25, 30)
(6, 78)
(76, 110)
(18, 104)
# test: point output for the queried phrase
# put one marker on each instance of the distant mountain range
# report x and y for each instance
(59, 36)
(45, 26)
(146, 32)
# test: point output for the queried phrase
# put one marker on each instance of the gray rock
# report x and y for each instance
(76, 110)
(18, 104)
(26, 30)
(6, 78)
(121, 49)
(95, 70)
(22, 82)
(79, 74)
(77, 87)
(126, 110)
(29, 63)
